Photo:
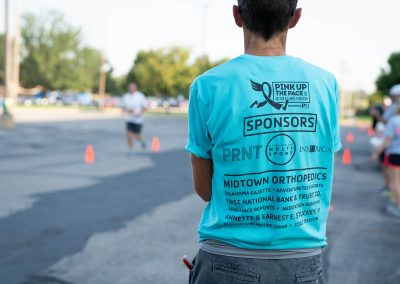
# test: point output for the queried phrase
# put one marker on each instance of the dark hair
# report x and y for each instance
(266, 17)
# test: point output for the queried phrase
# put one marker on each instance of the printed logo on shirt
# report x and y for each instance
(282, 95)
(253, 152)
(281, 149)
(315, 149)
(275, 123)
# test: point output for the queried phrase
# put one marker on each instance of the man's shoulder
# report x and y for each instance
(390, 109)
(232, 67)
(221, 72)
(316, 71)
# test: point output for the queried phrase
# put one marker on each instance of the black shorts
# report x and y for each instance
(134, 127)
(392, 160)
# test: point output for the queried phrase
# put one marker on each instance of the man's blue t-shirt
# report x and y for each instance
(270, 125)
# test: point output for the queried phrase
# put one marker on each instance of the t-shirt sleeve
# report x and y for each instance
(390, 129)
(199, 141)
(387, 114)
(337, 145)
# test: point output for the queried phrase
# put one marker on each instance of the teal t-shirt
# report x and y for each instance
(271, 127)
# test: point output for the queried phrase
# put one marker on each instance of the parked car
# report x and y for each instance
(37, 99)
(84, 99)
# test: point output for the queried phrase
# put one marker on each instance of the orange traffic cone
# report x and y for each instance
(155, 145)
(371, 132)
(346, 160)
(350, 138)
(89, 155)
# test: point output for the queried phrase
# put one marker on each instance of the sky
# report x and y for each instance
(352, 39)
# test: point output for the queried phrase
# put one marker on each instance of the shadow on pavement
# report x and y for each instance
(60, 223)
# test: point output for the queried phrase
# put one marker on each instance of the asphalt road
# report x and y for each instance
(130, 219)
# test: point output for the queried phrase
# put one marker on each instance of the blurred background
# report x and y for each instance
(75, 208)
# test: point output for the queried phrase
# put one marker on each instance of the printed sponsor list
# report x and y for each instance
(278, 200)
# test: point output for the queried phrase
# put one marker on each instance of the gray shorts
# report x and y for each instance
(218, 269)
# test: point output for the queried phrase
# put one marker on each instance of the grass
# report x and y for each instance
(160, 112)
(56, 107)
(362, 120)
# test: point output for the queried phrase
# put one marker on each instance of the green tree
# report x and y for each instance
(162, 72)
(116, 85)
(389, 77)
(52, 55)
(167, 72)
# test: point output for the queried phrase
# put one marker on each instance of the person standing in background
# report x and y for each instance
(377, 111)
(134, 104)
(389, 108)
(391, 150)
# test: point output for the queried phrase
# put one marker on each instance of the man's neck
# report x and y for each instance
(256, 45)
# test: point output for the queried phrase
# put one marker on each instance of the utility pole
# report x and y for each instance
(16, 55)
(6, 49)
(6, 119)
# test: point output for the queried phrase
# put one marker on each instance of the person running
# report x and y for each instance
(263, 130)
(134, 104)
(391, 150)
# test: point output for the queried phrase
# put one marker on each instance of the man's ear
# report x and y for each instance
(236, 16)
(295, 19)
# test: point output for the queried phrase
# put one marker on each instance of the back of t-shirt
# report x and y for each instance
(271, 127)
